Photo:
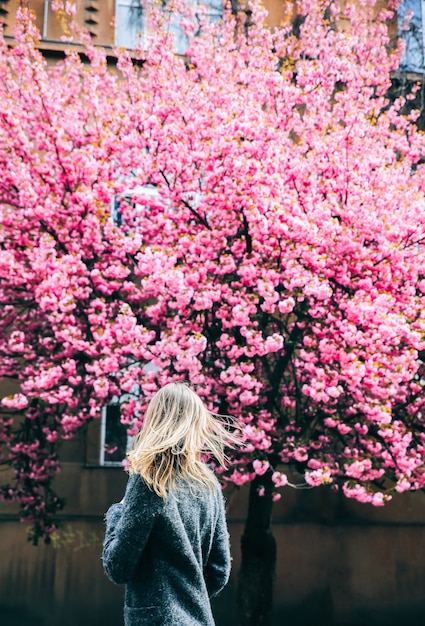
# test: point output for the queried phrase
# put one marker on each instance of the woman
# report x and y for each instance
(167, 540)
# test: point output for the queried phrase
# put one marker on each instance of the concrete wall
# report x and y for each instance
(339, 562)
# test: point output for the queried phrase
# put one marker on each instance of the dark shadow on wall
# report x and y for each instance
(14, 616)
(224, 606)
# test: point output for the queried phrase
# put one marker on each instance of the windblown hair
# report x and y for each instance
(177, 430)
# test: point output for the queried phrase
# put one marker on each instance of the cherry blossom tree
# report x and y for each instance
(266, 246)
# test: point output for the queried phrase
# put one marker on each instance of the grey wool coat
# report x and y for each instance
(172, 555)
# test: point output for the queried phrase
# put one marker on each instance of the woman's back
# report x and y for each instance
(172, 554)
(167, 541)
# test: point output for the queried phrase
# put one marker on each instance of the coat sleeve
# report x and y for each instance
(128, 527)
(217, 569)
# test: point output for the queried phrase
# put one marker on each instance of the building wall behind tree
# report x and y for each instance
(98, 16)
(339, 562)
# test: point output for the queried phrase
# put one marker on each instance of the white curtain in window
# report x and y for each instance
(130, 22)
(413, 34)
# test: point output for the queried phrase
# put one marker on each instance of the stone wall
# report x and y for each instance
(339, 562)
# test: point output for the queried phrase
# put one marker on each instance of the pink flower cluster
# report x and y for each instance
(269, 248)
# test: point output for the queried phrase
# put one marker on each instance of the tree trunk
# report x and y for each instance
(256, 577)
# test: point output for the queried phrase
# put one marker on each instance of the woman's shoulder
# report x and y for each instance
(217, 486)
(140, 495)
(200, 488)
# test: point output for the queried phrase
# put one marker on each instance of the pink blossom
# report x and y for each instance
(300, 454)
(267, 248)
(18, 401)
(279, 479)
(318, 477)
(260, 467)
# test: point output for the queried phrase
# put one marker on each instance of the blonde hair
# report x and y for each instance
(176, 431)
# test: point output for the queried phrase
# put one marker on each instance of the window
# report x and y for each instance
(130, 24)
(114, 439)
(145, 198)
(148, 192)
(214, 11)
(411, 30)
